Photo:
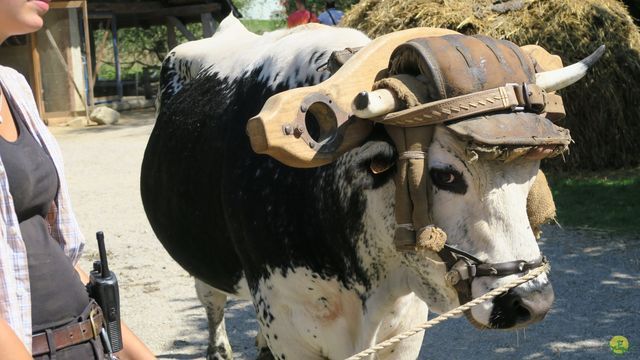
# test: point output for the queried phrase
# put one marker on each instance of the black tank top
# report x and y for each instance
(57, 294)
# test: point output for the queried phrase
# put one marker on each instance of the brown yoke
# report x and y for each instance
(484, 91)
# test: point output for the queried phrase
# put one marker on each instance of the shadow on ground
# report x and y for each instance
(242, 329)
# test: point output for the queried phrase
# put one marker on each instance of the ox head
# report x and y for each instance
(469, 120)
(469, 173)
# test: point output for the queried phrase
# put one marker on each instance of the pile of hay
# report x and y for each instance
(603, 109)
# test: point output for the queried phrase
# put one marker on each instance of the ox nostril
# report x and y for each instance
(508, 311)
(522, 313)
(520, 309)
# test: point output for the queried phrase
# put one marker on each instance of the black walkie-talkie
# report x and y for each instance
(103, 288)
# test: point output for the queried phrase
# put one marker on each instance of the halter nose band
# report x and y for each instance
(464, 267)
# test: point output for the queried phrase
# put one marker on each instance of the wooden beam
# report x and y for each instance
(124, 8)
(153, 9)
(66, 4)
(179, 2)
(180, 26)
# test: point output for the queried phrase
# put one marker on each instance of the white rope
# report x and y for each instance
(455, 312)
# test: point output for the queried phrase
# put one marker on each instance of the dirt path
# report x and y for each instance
(596, 276)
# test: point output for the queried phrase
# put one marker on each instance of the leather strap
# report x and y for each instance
(68, 335)
(511, 97)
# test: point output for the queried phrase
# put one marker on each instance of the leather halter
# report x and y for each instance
(463, 267)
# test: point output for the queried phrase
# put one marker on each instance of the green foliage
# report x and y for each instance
(139, 48)
(262, 26)
(603, 200)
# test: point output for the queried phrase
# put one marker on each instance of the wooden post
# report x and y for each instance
(171, 35)
(92, 47)
(98, 58)
(87, 50)
(146, 81)
(37, 75)
(116, 56)
(208, 25)
(180, 26)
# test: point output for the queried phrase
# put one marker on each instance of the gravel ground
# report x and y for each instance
(596, 276)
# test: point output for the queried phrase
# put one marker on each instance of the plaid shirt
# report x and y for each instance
(15, 293)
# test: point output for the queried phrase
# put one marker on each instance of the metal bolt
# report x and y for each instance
(312, 145)
(288, 130)
(303, 108)
(298, 131)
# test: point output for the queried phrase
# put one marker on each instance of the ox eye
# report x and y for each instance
(448, 179)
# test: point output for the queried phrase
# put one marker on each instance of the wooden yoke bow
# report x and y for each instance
(281, 128)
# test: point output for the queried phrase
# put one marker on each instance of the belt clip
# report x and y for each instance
(94, 325)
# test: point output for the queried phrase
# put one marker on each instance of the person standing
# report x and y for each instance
(301, 16)
(45, 311)
(331, 16)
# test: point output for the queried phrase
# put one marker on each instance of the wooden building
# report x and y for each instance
(58, 61)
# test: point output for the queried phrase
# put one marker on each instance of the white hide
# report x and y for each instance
(490, 220)
(313, 318)
(233, 51)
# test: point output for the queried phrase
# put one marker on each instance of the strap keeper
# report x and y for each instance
(52, 343)
(412, 154)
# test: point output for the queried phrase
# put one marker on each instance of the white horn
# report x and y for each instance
(558, 79)
(370, 104)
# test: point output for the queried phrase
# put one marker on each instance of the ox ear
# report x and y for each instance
(371, 164)
(541, 208)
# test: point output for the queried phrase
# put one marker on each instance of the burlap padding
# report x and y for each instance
(541, 208)
(408, 89)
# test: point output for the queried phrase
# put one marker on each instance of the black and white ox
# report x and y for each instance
(313, 248)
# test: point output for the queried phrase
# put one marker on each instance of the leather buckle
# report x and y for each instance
(94, 324)
(515, 96)
(535, 98)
